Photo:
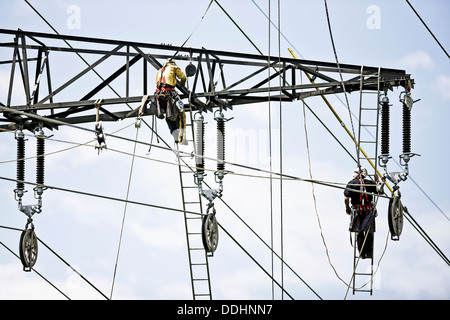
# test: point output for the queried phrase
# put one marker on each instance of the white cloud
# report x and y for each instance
(417, 60)
(442, 85)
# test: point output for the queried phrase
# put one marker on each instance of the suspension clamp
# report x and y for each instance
(101, 140)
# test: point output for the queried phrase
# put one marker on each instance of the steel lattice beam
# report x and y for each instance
(249, 78)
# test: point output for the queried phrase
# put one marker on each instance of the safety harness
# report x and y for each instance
(164, 90)
(364, 210)
(364, 205)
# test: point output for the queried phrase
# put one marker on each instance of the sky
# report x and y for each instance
(153, 263)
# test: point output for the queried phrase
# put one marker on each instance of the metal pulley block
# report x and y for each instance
(28, 247)
(395, 217)
(210, 230)
(137, 124)
(101, 141)
(190, 70)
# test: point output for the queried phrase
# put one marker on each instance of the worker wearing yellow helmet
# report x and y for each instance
(168, 101)
(168, 74)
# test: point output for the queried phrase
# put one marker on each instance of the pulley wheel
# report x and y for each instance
(210, 232)
(395, 217)
(190, 70)
(28, 248)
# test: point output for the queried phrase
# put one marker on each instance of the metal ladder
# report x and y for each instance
(192, 202)
(369, 121)
(366, 275)
(367, 152)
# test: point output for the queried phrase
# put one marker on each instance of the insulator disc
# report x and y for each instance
(385, 128)
(20, 162)
(40, 161)
(200, 146)
(220, 144)
(28, 248)
(406, 129)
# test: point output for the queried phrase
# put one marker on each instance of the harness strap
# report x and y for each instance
(162, 77)
(363, 208)
(362, 189)
(163, 89)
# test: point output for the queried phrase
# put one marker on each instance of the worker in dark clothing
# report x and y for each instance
(359, 193)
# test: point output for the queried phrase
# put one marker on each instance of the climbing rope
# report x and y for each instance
(342, 80)
(138, 125)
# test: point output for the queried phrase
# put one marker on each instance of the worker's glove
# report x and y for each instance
(379, 187)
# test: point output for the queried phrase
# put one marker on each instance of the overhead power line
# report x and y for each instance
(343, 103)
(178, 153)
(38, 273)
(250, 40)
(415, 224)
(110, 86)
(426, 26)
(59, 257)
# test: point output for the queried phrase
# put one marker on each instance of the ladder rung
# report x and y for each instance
(191, 202)
(368, 125)
(360, 290)
(200, 279)
(194, 233)
(362, 108)
(367, 141)
(364, 158)
(371, 92)
(196, 248)
(191, 218)
(190, 187)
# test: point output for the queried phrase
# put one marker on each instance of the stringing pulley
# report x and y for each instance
(28, 246)
(210, 230)
(395, 217)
